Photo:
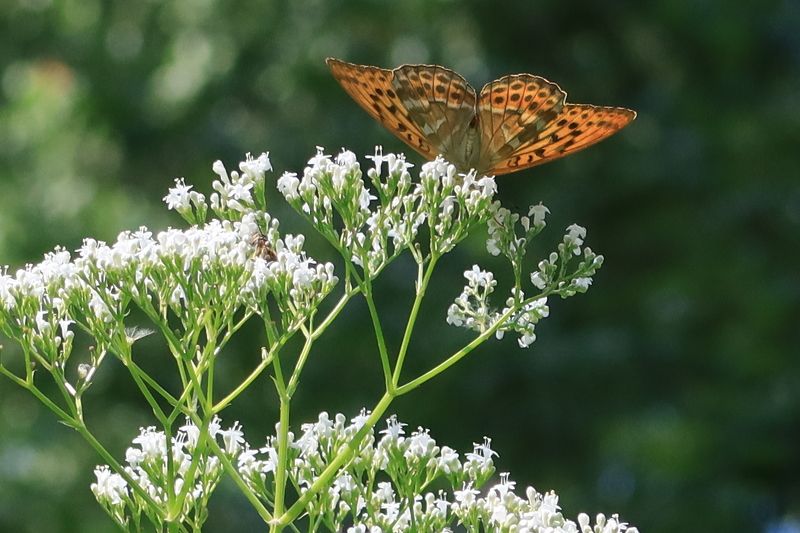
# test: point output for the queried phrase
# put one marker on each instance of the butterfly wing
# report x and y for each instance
(578, 126)
(427, 107)
(372, 89)
(517, 122)
(512, 112)
(525, 121)
(442, 104)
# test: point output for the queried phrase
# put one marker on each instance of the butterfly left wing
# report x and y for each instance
(576, 127)
(372, 89)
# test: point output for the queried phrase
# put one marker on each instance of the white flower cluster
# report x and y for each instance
(236, 193)
(182, 198)
(552, 271)
(194, 474)
(385, 487)
(376, 226)
(213, 266)
(472, 308)
(199, 285)
(503, 238)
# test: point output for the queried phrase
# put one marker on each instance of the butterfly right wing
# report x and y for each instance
(525, 121)
(576, 127)
(512, 111)
(373, 89)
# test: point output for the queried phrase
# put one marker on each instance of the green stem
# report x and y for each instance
(319, 330)
(457, 356)
(161, 322)
(176, 403)
(283, 442)
(281, 470)
(423, 278)
(265, 362)
(84, 432)
(137, 378)
(188, 478)
(376, 324)
(325, 479)
(298, 368)
(60, 413)
(237, 478)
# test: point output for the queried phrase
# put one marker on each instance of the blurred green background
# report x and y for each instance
(669, 393)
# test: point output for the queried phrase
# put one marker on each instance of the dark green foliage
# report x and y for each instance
(670, 392)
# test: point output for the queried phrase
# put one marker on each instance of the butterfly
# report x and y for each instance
(515, 122)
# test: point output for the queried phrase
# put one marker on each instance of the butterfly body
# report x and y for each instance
(515, 122)
(472, 145)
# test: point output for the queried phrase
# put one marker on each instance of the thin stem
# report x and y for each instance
(282, 467)
(84, 432)
(265, 362)
(298, 368)
(423, 278)
(283, 442)
(457, 356)
(189, 476)
(62, 414)
(262, 511)
(324, 480)
(319, 330)
(376, 324)
(176, 403)
(133, 370)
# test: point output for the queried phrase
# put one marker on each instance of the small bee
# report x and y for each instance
(263, 248)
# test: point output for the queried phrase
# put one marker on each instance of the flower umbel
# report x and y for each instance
(197, 287)
(383, 489)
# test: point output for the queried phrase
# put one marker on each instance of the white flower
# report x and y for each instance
(493, 246)
(538, 212)
(346, 159)
(487, 186)
(41, 324)
(479, 278)
(448, 460)
(466, 496)
(256, 168)
(287, 185)
(538, 280)
(394, 429)
(526, 339)
(240, 191)
(99, 307)
(320, 159)
(178, 197)
(153, 444)
(110, 488)
(420, 444)
(482, 453)
(405, 462)
(378, 159)
(574, 237)
(219, 169)
(233, 438)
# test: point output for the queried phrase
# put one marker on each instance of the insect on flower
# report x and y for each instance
(262, 247)
(515, 122)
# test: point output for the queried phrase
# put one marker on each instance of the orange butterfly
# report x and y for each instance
(516, 122)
